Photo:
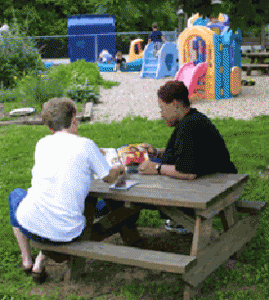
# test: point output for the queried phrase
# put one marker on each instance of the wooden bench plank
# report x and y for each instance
(253, 66)
(148, 259)
(251, 207)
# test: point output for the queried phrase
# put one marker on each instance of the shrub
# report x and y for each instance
(18, 55)
(37, 89)
(7, 95)
(82, 93)
(77, 73)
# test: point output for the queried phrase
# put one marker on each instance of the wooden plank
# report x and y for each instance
(251, 207)
(198, 194)
(75, 267)
(225, 200)
(218, 251)
(148, 259)
(229, 216)
(196, 237)
(87, 114)
(254, 66)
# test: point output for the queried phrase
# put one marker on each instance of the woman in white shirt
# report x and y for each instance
(52, 209)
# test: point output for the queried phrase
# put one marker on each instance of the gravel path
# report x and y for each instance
(138, 97)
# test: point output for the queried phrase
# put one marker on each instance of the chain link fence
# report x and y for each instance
(58, 47)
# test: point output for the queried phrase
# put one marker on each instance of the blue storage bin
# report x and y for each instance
(83, 47)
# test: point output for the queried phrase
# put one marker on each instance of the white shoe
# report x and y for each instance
(171, 226)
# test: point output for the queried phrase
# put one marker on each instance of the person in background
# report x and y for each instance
(105, 57)
(52, 210)
(120, 61)
(195, 147)
(157, 38)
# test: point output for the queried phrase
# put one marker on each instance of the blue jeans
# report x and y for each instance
(15, 197)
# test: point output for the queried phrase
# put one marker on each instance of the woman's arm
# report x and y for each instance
(114, 173)
(170, 170)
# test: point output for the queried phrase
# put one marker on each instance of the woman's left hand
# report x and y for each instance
(148, 168)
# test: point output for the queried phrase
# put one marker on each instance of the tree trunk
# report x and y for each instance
(263, 38)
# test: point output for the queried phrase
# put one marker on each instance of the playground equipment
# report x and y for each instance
(135, 60)
(218, 47)
(165, 64)
(136, 50)
(134, 66)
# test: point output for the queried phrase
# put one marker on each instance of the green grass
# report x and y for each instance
(248, 145)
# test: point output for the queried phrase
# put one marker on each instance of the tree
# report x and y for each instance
(242, 13)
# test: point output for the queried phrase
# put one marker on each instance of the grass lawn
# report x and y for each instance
(248, 144)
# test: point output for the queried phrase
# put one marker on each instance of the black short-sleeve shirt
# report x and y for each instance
(120, 61)
(196, 147)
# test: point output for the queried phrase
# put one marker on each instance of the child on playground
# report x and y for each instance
(105, 57)
(156, 37)
(119, 61)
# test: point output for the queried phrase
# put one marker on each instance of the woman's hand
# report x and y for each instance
(114, 173)
(148, 168)
(152, 152)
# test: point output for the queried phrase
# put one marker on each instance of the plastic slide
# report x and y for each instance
(189, 74)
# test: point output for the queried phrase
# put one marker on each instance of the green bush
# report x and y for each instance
(37, 89)
(18, 56)
(77, 73)
(7, 95)
(82, 93)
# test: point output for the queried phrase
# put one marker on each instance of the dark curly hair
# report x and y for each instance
(174, 90)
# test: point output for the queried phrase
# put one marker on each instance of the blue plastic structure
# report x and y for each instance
(165, 64)
(84, 47)
(133, 66)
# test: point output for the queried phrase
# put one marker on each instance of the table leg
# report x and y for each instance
(130, 234)
(202, 234)
(114, 222)
(229, 217)
(190, 292)
(76, 265)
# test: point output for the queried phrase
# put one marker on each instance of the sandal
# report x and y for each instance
(40, 277)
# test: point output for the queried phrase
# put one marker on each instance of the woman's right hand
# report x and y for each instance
(116, 171)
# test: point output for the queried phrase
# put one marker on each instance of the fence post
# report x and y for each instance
(96, 48)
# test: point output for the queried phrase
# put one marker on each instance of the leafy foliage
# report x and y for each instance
(18, 56)
(81, 70)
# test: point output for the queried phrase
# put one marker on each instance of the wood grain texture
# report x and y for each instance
(198, 194)
(218, 251)
(148, 259)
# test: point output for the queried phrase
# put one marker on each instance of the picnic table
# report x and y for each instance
(259, 65)
(191, 203)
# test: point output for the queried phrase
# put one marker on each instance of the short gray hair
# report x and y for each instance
(57, 113)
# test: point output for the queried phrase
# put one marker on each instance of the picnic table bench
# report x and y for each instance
(259, 65)
(192, 203)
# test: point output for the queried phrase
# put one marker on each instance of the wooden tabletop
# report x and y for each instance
(162, 190)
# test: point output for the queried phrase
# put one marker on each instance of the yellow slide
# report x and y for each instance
(135, 51)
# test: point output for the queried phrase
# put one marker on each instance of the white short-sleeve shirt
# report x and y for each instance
(61, 179)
